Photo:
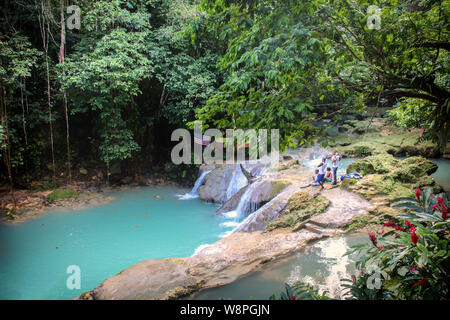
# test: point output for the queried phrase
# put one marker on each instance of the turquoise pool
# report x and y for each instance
(102, 241)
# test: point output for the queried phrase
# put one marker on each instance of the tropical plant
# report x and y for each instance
(412, 258)
(300, 291)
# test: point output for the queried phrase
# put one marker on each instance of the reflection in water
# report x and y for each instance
(322, 265)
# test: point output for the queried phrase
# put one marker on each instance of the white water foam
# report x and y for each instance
(200, 248)
(229, 224)
(193, 194)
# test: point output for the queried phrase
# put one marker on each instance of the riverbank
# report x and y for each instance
(74, 196)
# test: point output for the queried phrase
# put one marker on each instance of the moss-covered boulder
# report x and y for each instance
(382, 138)
(387, 178)
(300, 207)
(61, 194)
(379, 164)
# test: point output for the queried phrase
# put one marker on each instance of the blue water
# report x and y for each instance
(442, 175)
(102, 241)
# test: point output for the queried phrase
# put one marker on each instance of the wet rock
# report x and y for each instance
(386, 178)
(232, 203)
(83, 171)
(300, 207)
(214, 188)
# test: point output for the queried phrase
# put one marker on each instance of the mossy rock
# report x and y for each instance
(277, 187)
(61, 194)
(376, 186)
(379, 164)
(427, 181)
(358, 222)
(419, 166)
(300, 207)
(397, 142)
(288, 164)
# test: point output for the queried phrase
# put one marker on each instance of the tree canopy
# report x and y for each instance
(117, 87)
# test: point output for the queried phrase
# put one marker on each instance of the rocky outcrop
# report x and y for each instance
(381, 139)
(386, 178)
(214, 188)
(300, 207)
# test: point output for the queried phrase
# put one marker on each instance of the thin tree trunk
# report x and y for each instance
(66, 113)
(7, 156)
(43, 24)
(23, 111)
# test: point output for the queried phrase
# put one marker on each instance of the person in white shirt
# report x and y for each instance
(335, 163)
(322, 167)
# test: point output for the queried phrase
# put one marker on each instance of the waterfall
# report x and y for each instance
(194, 192)
(245, 205)
(238, 181)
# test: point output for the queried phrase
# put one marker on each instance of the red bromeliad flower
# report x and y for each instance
(413, 269)
(408, 223)
(389, 224)
(399, 228)
(444, 215)
(420, 283)
(418, 192)
(414, 236)
(293, 298)
(373, 238)
(440, 206)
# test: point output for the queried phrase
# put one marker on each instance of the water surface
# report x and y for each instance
(101, 240)
(321, 265)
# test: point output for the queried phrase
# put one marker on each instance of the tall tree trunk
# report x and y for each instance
(61, 61)
(24, 123)
(44, 24)
(7, 155)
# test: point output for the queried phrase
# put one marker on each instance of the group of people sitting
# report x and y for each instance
(324, 174)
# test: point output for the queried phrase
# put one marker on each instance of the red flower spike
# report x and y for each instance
(414, 238)
(293, 298)
(418, 192)
(420, 283)
(373, 238)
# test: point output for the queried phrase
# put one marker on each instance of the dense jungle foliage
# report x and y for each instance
(110, 92)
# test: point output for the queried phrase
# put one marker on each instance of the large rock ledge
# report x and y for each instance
(228, 259)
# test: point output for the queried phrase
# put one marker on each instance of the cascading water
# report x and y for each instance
(238, 181)
(194, 192)
(245, 207)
